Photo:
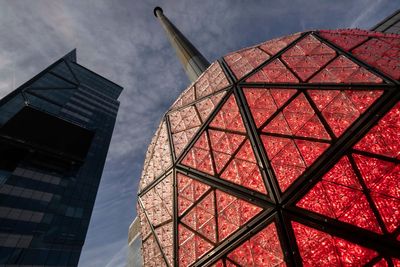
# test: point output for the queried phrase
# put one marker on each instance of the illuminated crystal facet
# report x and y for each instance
(310, 121)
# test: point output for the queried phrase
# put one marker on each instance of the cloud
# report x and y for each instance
(115, 255)
(366, 13)
(120, 258)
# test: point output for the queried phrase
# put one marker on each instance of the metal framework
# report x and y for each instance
(279, 206)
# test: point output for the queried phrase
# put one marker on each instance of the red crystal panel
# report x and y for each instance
(158, 157)
(186, 121)
(381, 53)
(244, 61)
(243, 169)
(199, 156)
(224, 145)
(234, 160)
(345, 41)
(363, 99)
(290, 157)
(261, 104)
(308, 56)
(189, 191)
(198, 228)
(158, 202)
(233, 213)
(343, 70)
(275, 45)
(297, 113)
(294, 134)
(382, 179)
(181, 139)
(263, 249)
(152, 256)
(212, 80)
(229, 117)
(230, 264)
(208, 105)
(287, 163)
(381, 263)
(384, 138)
(273, 72)
(219, 263)
(381, 176)
(341, 109)
(297, 119)
(187, 97)
(164, 234)
(145, 226)
(201, 218)
(191, 246)
(321, 249)
(339, 196)
(264, 102)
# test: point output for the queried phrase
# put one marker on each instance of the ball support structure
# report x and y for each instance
(289, 216)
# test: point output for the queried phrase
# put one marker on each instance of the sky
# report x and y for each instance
(122, 41)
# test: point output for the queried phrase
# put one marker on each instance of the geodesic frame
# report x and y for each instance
(277, 149)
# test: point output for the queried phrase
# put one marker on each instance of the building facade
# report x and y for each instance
(55, 132)
(135, 245)
(281, 154)
(391, 24)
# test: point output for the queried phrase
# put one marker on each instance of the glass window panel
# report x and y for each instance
(49, 80)
(63, 70)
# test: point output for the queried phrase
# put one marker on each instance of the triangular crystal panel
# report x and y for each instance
(212, 80)
(344, 70)
(244, 61)
(339, 196)
(344, 41)
(383, 138)
(381, 52)
(228, 117)
(211, 218)
(158, 156)
(318, 248)
(199, 156)
(274, 72)
(290, 156)
(186, 121)
(275, 45)
(341, 109)
(381, 178)
(308, 56)
(262, 249)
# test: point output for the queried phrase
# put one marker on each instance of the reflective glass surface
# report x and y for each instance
(47, 196)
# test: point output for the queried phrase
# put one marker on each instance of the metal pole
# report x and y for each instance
(192, 60)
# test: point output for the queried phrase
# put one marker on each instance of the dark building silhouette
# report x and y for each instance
(390, 24)
(55, 131)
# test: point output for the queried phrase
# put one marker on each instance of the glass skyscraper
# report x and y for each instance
(55, 131)
(391, 24)
(134, 245)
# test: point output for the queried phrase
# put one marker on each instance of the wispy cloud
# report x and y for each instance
(366, 13)
(123, 41)
(120, 258)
